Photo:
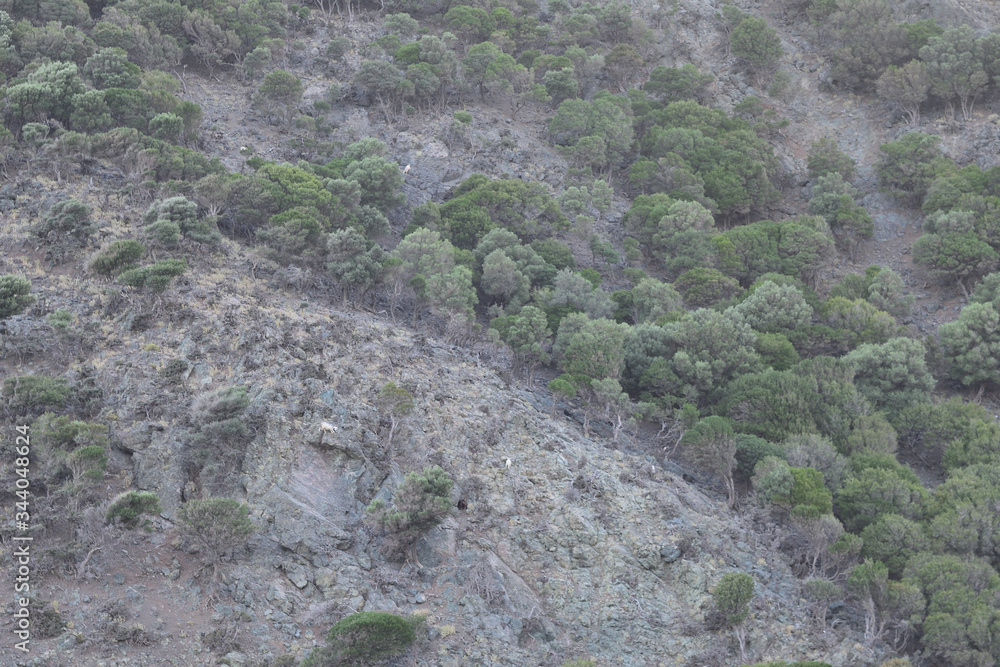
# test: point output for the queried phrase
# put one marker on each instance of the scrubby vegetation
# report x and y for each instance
(672, 285)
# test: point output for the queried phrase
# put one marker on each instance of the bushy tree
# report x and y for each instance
(166, 127)
(971, 345)
(955, 67)
(712, 350)
(966, 522)
(960, 258)
(711, 444)
(168, 219)
(217, 525)
(876, 491)
(858, 321)
(906, 87)
(871, 434)
(652, 299)
(15, 295)
(907, 167)
(353, 261)
(868, 583)
(892, 375)
(420, 502)
(110, 68)
(599, 132)
(529, 338)
(67, 219)
(871, 39)
(91, 112)
(773, 308)
(396, 403)
(593, 348)
(672, 84)
(885, 292)
(893, 540)
(116, 256)
(814, 451)
(705, 286)
(128, 506)
(776, 351)
(732, 597)
(572, 290)
(825, 157)
(977, 442)
(503, 281)
(757, 44)
(960, 627)
(490, 69)
(281, 89)
(155, 277)
(834, 199)
(798, 247)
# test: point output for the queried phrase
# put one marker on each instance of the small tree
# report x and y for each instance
(420, 503)
(955, 67)
(971, 345)
(155, 277)
(282, 89)
(907, 167)
(825, 158)
(170, 218)
(218, 525)
(821, 593)
(759, 46)
(868, 584)
(732, 598)
(354, 262)
(905, 86)
(712, 445)
(116, 256)
(530, 339)
(68, 218)
(15, 295)
(396, 403)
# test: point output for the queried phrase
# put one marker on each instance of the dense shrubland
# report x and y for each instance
(707, 318)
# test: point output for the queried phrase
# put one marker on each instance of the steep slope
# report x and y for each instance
(576, 549)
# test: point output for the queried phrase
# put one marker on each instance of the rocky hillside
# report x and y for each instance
(577, 549)
(256, 377)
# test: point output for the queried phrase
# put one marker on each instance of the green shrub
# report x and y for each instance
(366, 638)
(116, 256)
(15, 295)
(60, 433)
(463, 117)
(129, 506)
(750, 450)
(31, 393)
(60, 319)
(420, 502)
(907, 167)
(216, 524)
(155, 277)
(705, 286)
(68, 218)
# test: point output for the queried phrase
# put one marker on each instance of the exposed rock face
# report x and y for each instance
(576, 549)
